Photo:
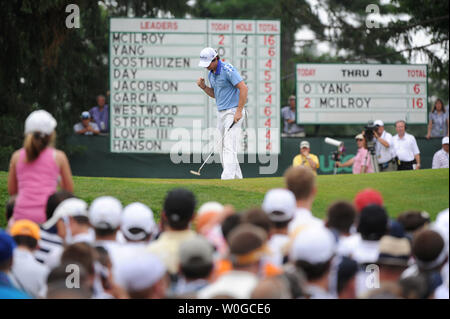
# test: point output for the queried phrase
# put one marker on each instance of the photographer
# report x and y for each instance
(383, 148)
(361, 162)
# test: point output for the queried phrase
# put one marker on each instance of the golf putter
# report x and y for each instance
(212, 152)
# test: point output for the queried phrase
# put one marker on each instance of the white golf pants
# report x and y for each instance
(229, 148)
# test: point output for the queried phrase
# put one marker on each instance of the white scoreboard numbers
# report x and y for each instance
(358, 93)
(153, 74)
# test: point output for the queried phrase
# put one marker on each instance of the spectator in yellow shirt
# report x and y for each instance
(305, 158)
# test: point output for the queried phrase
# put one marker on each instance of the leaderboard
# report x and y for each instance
(358, 93)
(153, 74)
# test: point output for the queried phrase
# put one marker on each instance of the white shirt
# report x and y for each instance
(115, 253)
(88, 237)
(347, 245)
(405, 148)
(384, 154)
(236, 284)
(28, 274)
(366, 251)
(440, 159)
(303, 219)
(317, 292)
(277, 245)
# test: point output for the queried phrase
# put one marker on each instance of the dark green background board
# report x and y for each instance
(94, 159)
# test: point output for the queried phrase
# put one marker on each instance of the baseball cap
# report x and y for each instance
(378, 123)
(279, 204)
(304, 144)
(140, 272)
(206, 56)
(7, 246)
(359, 137)
(206, 213)
(373, 222)
(85, 115)
(105, 212)
(394, 251)
(247, 243)
(292, 97)
(445, 140)
(413, 220)
(68, 207)
(40, 121)
(179, 205)
(25, 227)
(196, 251)
(367, 196)
(315, 245)
(140, 216)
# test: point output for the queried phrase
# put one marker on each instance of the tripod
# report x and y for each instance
(373, 157)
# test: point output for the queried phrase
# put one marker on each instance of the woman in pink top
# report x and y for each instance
(34, 170)
(361, 162)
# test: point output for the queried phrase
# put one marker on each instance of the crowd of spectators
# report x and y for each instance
(55, 245)
(278, 250)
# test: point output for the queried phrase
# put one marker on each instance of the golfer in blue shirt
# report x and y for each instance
(230, 92)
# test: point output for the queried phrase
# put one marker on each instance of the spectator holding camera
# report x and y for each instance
(405, 148)
(86, 127)
(383, 148)
(362, 162)
(438, 121)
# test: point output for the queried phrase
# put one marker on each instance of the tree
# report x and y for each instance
(46, 65)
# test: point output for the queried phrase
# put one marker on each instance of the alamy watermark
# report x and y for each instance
(372, 9)
(73, 278)
(73, 19)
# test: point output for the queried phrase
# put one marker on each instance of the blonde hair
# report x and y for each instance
(300, 180)
(35, 143)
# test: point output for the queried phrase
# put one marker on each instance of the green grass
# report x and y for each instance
(419, 190)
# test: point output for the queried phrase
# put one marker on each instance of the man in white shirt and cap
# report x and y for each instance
(72, 221)
(405, 148)
(384, 148)
(441, 158)
(144, 277)
(105, 214)
(279, 205)
(313, 251)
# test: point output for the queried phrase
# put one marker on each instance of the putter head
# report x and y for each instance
(195, 173)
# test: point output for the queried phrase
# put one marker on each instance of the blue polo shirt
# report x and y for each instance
(223, 81)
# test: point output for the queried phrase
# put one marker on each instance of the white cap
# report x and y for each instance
(196, 251)
(105, 212)
(282, 202)
(206, 56)
(140, 272)
(68, 207)
(445, 140)
(378, 123)
(209, 207)
(40, 121)
(314, 245)
(359, 137)
(137, 215)
(85, 115)
(304, 144)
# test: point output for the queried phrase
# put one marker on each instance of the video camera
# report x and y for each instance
(369, 135)
(369, 130)
(336, 155)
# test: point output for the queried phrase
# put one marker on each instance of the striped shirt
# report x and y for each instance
(48, 243)
(440, 159)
